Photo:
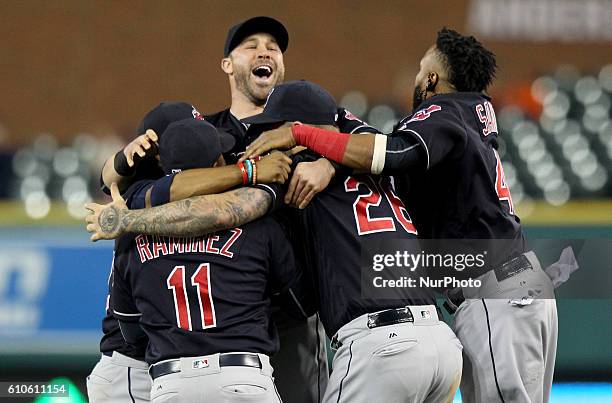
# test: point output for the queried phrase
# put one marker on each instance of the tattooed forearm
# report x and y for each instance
(199, 215)
(109, 220)
(245, 205)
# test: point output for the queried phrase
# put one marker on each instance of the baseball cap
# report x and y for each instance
(165, 113)
(269, 25)
(297, 100)
(191, 143)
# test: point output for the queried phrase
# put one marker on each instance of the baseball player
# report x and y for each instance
(253, 62)
(121, 374)
(401, 341)
(204, 302)
(447, 150)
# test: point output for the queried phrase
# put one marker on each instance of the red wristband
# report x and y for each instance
(330, 144)
(243, 171)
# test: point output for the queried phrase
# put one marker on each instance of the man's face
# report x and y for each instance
(257, 66)
(429, 63)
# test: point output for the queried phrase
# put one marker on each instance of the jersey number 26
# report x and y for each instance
(377, 187)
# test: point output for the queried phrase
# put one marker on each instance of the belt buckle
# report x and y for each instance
(512, 267)
(159, 369)
(390, 317)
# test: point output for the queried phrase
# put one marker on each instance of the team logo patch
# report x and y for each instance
(196, 115)
(198, 364)
(424, 113)
(349, 116)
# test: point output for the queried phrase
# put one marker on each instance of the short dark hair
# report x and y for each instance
(470, 65)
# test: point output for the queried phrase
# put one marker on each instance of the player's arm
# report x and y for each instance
(190, 217)
(121, 167)
(365, 152)
(123, 307)
(420, 141)
(273, 168)
(353, 151)
(312, 176)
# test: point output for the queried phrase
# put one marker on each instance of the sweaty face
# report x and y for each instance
(257, 67)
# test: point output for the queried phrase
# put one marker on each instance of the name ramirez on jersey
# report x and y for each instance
(150, 247)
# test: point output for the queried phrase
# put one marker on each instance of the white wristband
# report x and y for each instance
(380, 152)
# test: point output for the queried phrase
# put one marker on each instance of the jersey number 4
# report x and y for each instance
(361, 208)
(201, 282)
(501, 188)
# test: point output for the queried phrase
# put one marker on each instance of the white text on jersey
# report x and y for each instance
(151, 247)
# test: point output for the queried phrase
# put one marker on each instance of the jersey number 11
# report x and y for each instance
(201, 282)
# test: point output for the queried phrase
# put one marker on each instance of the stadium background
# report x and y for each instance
(78, 75)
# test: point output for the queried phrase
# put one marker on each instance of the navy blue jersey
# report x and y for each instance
(459, 189)
(352, 210)
(204, 295)
(349, 123)
(227, 122)
(160, 188)
(112, 340)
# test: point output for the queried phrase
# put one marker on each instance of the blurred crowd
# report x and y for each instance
(556, 145)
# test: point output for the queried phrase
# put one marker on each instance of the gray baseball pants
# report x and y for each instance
(213, 383)
(401, 363)
(119, 379)
(509, 338)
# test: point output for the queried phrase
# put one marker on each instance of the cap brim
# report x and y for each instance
(262, 119)
(261, 24)
(227, 141)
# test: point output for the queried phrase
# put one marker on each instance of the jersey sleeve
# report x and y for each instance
(135, 196)
(276, 192)
(349, 123)
(160, 193)
(147, 168)
(435, 132)
(123, 304)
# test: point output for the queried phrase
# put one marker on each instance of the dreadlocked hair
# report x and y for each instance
(470, 65)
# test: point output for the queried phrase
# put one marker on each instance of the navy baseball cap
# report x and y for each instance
(254, 25)
(192, 143)
(301, 100)
(165, 113)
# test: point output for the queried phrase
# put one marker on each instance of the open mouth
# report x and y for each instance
(263, 72)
